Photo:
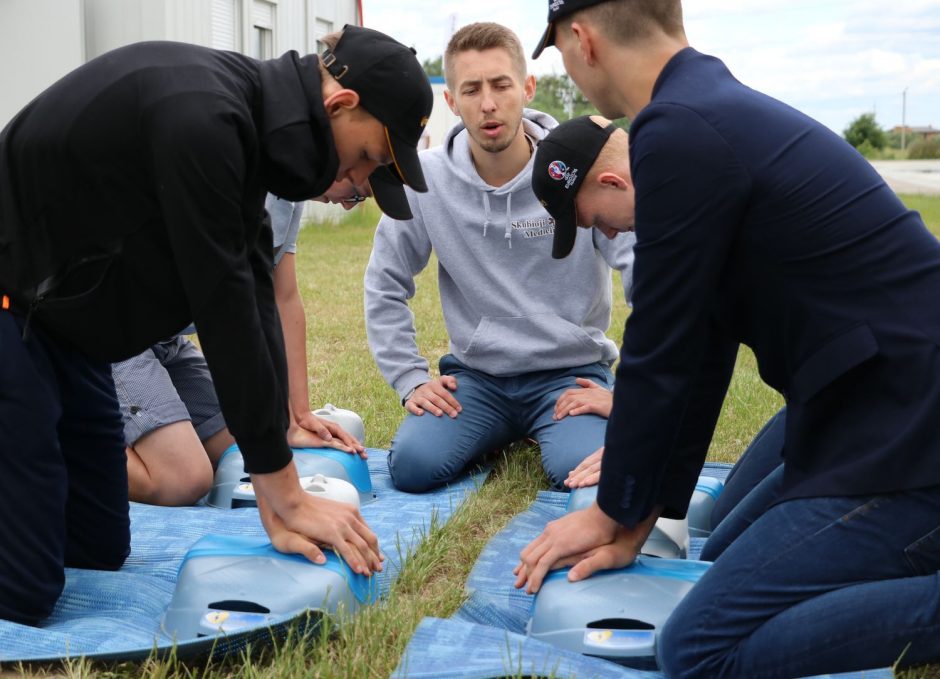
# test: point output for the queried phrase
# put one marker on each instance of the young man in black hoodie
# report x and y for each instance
(131, 203)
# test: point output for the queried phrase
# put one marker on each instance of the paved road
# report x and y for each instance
(910, 176)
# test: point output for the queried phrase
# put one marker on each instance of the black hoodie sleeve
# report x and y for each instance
(205, 165)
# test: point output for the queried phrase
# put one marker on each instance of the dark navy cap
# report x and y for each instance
(556, 10)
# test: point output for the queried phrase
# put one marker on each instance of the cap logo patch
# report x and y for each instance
(555, 5)
(558, 171)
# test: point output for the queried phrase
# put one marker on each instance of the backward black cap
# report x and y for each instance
(556, 10)
(562, 161)
(393, 87)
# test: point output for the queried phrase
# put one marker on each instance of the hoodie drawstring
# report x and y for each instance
(487, 222)
(486, 212)
(509, 219)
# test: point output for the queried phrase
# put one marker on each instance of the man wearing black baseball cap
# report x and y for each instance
(756, 224)
(581, 176)
(394, 89)
(131, 204)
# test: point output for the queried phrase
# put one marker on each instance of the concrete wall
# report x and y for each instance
(40, 41)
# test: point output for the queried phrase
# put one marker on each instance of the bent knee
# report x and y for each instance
(30, 602)
(174, 486)
(415, 472)
(186, 489)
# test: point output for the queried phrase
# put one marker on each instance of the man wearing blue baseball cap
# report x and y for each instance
(131, 204)
(757, 225)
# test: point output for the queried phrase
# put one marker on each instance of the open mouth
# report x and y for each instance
(492, 128)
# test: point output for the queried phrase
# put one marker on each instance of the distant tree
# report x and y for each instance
(923, 149)
(893, 139)
(558, 96)
(434, 66)
(865, 129)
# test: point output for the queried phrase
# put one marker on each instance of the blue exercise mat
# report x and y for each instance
(116, 615)
(492, 598)
(456, 649)
(486, 637)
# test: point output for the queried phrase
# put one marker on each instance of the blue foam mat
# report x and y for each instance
(116, 615)
(457, 649)
(440, 649)
(486, 637)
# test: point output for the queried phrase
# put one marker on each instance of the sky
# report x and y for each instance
(832, 59)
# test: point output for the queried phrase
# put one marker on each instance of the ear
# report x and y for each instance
(613, 181)
(449, 98)
(528, 87)
(587, 41)
(340, 100)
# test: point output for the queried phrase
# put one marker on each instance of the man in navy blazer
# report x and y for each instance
(755, 225)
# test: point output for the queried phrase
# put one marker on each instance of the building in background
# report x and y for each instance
(917, 132)
(442, 118)
(42, 40)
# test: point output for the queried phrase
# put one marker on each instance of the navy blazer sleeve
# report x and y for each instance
(691, 193)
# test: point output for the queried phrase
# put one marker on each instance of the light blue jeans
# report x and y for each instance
(812, 586)
(431, 451)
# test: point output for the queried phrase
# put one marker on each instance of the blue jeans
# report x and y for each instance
(763, 455)
(813, 586)
(431, 451)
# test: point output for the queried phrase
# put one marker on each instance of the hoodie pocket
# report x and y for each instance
(517, 344)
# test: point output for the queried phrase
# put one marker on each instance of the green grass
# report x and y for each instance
(331, 262)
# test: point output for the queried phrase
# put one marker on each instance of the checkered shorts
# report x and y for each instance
(168, 383)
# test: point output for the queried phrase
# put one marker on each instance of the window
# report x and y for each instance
(226, 24)
(262, 29)
(322, 27)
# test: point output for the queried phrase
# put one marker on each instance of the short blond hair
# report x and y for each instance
(614, 155)
(481, 36)
(628, 21)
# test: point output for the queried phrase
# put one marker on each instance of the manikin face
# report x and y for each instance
(607, 204)
(489, 94)
(342, 192)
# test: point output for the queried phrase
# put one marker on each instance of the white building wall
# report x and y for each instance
(40, 41)
(442, 118)
(59, 35)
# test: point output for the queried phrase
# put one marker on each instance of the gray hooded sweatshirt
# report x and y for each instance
(508, 306)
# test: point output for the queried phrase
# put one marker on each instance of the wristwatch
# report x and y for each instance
(407, 396)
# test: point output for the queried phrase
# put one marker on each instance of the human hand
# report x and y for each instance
(590, 397)
(310, 431)
(435, 397)
(588, 543)
(588, 472)
(572, 535)
(299, 523)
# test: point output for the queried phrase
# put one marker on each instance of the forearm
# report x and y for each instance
(294, 325)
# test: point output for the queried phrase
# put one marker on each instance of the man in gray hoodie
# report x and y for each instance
(515, 345)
